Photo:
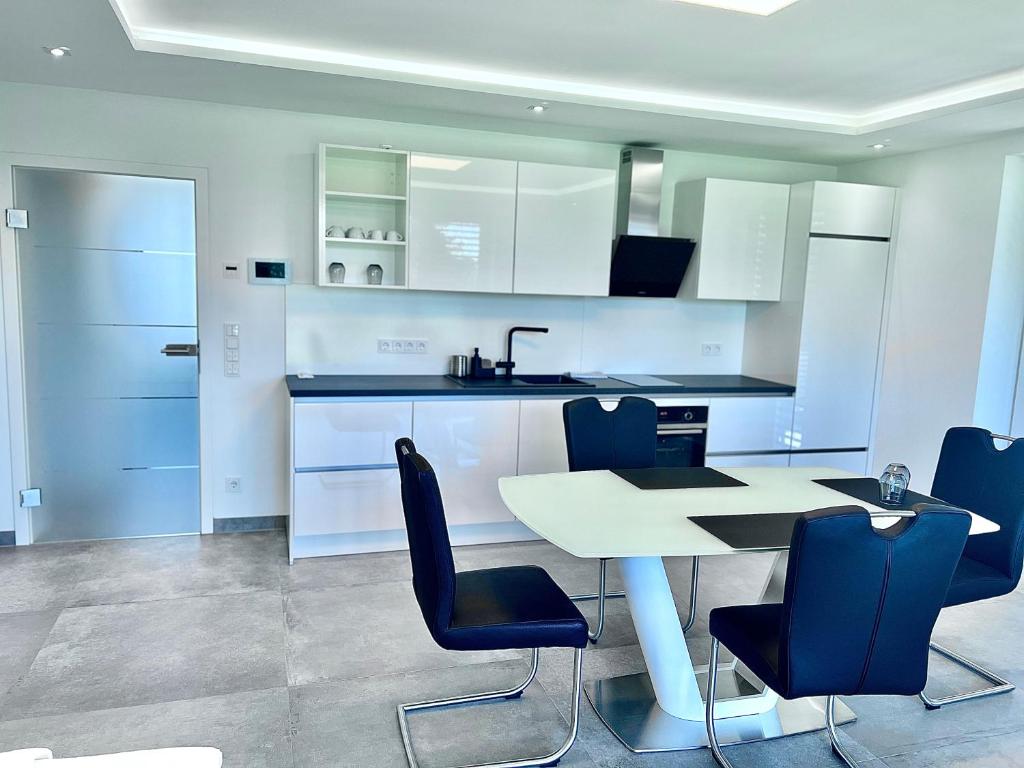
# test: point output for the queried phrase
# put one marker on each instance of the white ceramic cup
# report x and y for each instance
(355, 233)
(394, 236)
(336, 231)
(376, 234)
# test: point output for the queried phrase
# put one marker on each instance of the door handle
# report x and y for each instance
(180, 350)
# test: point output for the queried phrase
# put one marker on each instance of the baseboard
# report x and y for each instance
(247, 524)
(6, 538)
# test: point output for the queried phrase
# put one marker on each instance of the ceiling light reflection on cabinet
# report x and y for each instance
(757, 7)
(437, 163)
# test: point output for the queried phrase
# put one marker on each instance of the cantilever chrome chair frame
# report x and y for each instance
(511, 693)
(603, 594)
(998, 684)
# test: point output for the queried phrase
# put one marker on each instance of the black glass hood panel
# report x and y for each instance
(649, 266)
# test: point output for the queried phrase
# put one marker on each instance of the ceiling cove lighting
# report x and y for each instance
(58, 52)
(756, 7)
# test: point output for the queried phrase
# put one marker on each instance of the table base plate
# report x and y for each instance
(628, 707)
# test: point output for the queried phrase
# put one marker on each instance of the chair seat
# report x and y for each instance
(752, 633)
(973, 581)
(516, 607)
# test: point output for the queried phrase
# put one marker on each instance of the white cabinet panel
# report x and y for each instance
(564, 228)
(542, 437)
(750, 460)
(859, 210)
(851, 461)
(470, 444)
(349, 434)
(839, 342)
(740, 229)
(749, 424)
(347, 502)
(462, 215)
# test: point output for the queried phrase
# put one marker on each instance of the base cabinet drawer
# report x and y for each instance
(749, 424)
(750, 460)
(347, 502)
(349, 434)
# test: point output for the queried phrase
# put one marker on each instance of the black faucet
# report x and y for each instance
(507, 363)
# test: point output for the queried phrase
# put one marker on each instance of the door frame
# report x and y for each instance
(10, 302)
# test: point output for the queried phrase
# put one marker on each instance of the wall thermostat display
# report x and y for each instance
(270, 271)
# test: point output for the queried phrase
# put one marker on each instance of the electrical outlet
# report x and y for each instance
(403, 346)
(233, 484)
(711, 349)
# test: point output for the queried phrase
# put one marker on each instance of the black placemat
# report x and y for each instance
(867, 489)
(666, 478)
(767, 531)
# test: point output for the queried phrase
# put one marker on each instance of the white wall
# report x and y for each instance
(260, 166)
(946, 238)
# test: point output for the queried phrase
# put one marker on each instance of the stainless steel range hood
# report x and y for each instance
(643, 262)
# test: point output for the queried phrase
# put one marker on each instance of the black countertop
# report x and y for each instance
(441, 386)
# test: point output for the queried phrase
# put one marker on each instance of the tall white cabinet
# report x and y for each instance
(824, 335)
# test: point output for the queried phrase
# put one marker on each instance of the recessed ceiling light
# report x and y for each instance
(757, 7)
(537, 108)
(878, 147)
(58, 52)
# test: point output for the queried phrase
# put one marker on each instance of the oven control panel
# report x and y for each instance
(683, 415)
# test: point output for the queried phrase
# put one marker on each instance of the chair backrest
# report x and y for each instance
(860, 603)
(974, 474)
(625, 438)
(433, 568)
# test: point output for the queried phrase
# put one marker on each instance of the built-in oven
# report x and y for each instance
(682, 435)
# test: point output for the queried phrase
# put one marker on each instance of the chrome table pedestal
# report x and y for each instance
(628, 706)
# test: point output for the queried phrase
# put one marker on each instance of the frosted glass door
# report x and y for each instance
(108, 279)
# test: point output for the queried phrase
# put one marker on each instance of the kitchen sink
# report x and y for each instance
(525, 381)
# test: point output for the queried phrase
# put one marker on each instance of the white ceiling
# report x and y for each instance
(819, 80)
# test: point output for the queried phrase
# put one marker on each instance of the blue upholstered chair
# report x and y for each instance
(486, 610)
(857, 612)
(974, 474)
(625, 438)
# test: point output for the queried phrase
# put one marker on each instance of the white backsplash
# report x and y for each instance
(335, 331)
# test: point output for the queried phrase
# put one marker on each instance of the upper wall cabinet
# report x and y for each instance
(852, 210)
(361, 221)
(462, 221)
(740, 229)
(564, 229)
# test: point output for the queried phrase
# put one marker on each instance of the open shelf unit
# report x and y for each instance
(368, 189)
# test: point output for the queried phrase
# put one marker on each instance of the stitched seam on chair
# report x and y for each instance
(878, 617)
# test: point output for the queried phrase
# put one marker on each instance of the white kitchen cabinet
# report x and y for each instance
(839, 342)
(851, 461)
(740, 229)
(347, 502)
(749, 460)
(564, 229)
(462, 214)
(852, 210)
(542, 437)
(470, 444)
(349, 434)
(746, 424)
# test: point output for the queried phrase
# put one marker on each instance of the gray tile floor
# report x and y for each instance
(216, 640)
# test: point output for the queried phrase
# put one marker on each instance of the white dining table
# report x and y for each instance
(600, 515)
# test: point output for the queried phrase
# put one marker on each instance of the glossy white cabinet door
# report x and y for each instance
(742, 240)
(749, 424)
(462, 214)
(839, 342)
(749, 460)
(542, 437)
(347, 502)
(349, 434)
(851, 461)
(859, 210)
(470, 444)
(564, 228)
